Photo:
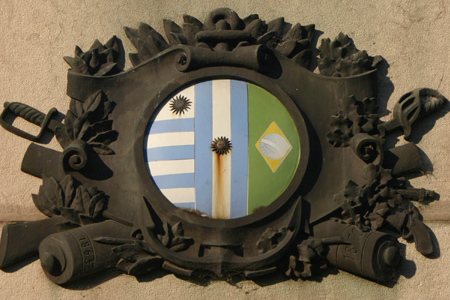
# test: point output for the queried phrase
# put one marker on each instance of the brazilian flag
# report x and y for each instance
(274, 148)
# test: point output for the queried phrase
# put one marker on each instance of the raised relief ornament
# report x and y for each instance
(221, 153)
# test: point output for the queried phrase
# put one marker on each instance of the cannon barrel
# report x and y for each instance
(73, 254)
(371, 254)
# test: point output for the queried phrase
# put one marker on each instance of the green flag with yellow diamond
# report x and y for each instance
(274, 148)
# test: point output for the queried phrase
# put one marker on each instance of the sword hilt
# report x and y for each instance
(28, 113)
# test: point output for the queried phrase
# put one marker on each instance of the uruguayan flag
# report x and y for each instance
(262, 162)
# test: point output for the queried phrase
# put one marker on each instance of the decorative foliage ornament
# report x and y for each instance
(148, 176)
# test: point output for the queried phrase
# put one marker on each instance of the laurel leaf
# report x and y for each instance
(81, 201)
(76, 109)
(85, 126)
(96, 45)
(64, 226)
(129, 247)
(97, 204)
(113, 43)
(95, 59)
(250, 18)
(171, 26)
(150, 47)
(94, 129)
(41, 206)
(93, 102)
(124, 265)
(105, 137)
(129, 252)
(297, 32)
(77, 64)
(132, 35)
(145, 265)
(145, 49)
(147, 32)
(102, 149)
(105, 69)
(70, 214)
(135, 59)
(310, 29)
(52, 191)
(86, 57)
(276, 25)
(46, 202)
(67, 186)
(193, 21)
(190, 32)
(108, 107)
(78, 51)
(303, 58)
(177, 39)
(267, 38)
(291, 47)
(110, 240)
(86, 220)
(78, 124)
(144, 246)
(167, 236)
(256, 28)
(177, 229)
(174, 33)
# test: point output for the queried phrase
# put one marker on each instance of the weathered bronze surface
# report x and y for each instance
(345, 205)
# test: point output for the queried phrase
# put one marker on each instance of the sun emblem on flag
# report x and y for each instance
(180, 104)
(221, 145)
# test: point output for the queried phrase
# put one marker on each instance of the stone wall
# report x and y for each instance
(412, 36)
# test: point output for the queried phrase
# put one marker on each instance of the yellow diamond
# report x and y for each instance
(273, 146)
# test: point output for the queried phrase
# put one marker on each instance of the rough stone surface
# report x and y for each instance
(413, 37)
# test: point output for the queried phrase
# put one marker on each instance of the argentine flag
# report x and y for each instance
(260, 165)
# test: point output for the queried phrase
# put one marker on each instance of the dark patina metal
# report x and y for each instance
(221, 145)
(179, 105)
(105, 210)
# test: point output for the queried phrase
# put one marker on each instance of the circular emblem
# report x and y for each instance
(224, 148)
